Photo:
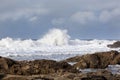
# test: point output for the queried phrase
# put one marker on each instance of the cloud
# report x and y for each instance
(83, 17)
(23, 13)
(32, 19)
(21, 10)
(107, 16)
(58, 21)
(104, 16)
(76, 16)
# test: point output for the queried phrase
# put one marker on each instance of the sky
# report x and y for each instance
(83, 19)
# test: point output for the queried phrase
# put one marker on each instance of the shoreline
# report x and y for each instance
(61, 70)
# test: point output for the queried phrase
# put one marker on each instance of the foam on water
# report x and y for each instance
(56, 44)
(115, 69)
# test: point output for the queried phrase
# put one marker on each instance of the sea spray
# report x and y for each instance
(56, 44)
(55, 37)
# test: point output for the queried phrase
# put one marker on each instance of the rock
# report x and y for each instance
(5, 64)
(9, 66)
(96, 60)
(99, 75)
(94, 78)
(45, 67)
(104, 73)
(116, 60)
(74, 59)
(114, 45)
(2, 76)
(16, 78)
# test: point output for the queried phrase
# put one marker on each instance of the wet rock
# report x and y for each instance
(74, 59)
(5, 64)
(9, 66)
(46, 67)
(104, 73)
(2, 76)
(96, 60)
(114, 45)
(99, 75)
(16, 78)
(94, 78)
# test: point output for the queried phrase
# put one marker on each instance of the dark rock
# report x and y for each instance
(107, 74)
(2, 76)
(5, 64)
(74, 59)
(45, 67)
(96, 60)
(9, 66)
(16, 78)
(94, 78)
(114, 45)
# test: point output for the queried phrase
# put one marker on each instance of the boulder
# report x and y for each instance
(9, 66)
(6, 64)
(44, 67)
(99, 75)
(114, 45)
(96, 60)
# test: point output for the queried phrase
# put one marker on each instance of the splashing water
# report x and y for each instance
(56, 44)
(55, 37)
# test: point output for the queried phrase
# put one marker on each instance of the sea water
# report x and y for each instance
(55, 45)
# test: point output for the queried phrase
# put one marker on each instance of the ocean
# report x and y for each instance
(55, 45)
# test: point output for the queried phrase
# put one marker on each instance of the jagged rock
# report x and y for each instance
(114, 45)
(9, 66)
(99, 75)
(2, 76)
(94, 78)
(16, 78)
(96, 60)
(5, 64)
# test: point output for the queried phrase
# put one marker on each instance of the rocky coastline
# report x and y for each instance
(61, 70)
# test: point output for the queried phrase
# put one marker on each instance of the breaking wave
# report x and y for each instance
(55, 37)
(56, 44)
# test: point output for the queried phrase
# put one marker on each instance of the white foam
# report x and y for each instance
(55, 37)
(115, 69)
(56, 44)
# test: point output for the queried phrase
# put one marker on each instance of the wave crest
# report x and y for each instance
(55, 37)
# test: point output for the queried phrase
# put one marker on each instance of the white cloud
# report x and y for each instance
(107, 16)
(83, 17)
(23, 13)
(33, 19)
(17, 9)
(103, 16)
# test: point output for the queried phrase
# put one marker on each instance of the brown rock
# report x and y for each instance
(96, 60)
(94, 78)
(16, 78)
(9, 66)
(5, 64)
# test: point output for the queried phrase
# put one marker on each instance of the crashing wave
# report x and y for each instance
(55, 37)
(56, 44)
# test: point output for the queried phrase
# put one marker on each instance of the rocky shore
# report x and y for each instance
(114, 45)
(62, 70)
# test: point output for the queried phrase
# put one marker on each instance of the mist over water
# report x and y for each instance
(56, 44)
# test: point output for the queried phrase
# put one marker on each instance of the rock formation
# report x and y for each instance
(96, 60)
(53, 70)
(114, 45)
